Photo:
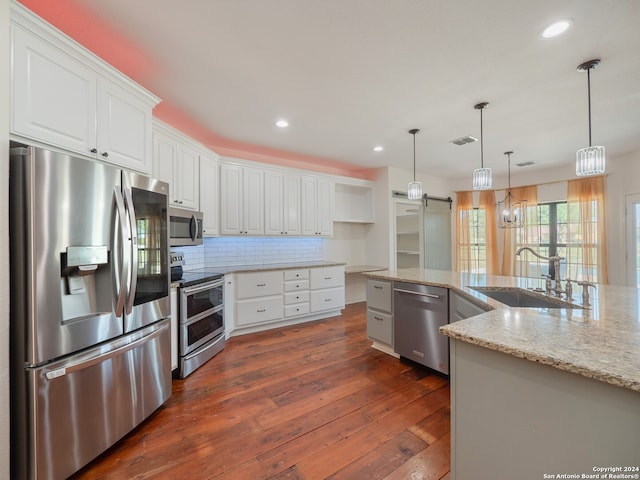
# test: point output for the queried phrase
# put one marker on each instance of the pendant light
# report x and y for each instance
(511, 211)
(414, 190)
(589, 160)
(481, 176)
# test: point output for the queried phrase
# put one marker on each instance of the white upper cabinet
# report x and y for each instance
(64, 96)
(124, 121)
(178, 164)
(282, 204)
(317, 206)
(241, 200)
(209, 195)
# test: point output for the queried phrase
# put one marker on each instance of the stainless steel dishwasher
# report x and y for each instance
(418, 313)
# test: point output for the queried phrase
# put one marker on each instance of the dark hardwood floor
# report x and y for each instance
(307, 402)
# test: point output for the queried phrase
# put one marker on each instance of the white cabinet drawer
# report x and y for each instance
(297, 274)
(260, 310)
(295, 286)
(328, 299)
(259, 284)
(294, 310)
(326, 277)
(379, 295)
(380, 326)
(296, 297)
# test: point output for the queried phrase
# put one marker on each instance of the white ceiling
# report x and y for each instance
(352, 74)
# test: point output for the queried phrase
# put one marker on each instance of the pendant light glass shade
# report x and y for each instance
(589, 160)
(414, 189)
(482, 179)
(511, 211)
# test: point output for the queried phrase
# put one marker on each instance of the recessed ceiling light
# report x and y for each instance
(556, 28)
(282, 123)
(378, 148)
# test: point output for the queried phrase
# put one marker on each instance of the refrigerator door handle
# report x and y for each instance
(119, 273)
(133, 243)
(144, 337)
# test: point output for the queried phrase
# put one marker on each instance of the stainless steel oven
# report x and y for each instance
(201, 327)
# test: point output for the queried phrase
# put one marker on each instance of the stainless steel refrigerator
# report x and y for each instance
(90, 334)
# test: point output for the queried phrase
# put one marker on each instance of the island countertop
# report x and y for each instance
(601, 342)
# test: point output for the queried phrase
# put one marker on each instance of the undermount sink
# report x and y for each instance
(519, 297)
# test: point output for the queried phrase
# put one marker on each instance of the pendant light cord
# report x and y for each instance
(414, 154)
(481, 142)
(589, 100)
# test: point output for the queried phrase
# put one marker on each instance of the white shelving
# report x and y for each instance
(408, 234)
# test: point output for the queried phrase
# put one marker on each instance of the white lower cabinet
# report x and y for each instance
(258, 297)
(327, 299)
(277, 298)
(259, 310)
(326, 286)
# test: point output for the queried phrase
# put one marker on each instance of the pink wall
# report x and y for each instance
(84, 27)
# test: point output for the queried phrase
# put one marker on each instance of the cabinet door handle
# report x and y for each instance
(327, 299)
(327, 278)
(378, 287)
(261, 284)
(105, 154)
(94, 150)
(261, 310)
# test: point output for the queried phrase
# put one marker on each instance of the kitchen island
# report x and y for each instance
(541, 391)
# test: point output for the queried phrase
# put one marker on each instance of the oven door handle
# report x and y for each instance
(202, 287)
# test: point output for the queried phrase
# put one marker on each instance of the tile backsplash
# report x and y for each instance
(237, 251)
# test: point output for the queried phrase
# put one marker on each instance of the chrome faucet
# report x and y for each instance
(554, 262)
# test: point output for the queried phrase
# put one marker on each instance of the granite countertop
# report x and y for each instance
(274, 266)
(601, 342)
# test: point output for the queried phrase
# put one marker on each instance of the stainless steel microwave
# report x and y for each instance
(185, 227)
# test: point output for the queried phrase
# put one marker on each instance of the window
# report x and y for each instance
(472, 248)
(557, 229)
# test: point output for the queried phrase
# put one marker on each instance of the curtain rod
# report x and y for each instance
(535, 184)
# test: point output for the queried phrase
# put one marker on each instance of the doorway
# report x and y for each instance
(633, 239)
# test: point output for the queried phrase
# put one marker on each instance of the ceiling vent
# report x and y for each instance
(464, 140)
(525, 164)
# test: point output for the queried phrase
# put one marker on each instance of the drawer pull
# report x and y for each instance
(327, 278)
(262, 310)
(378, 318)
(378, 287)
(418, 354)
(327, 299)
(261, 285)
(298, 297)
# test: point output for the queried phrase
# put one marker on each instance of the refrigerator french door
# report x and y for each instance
(90, 341)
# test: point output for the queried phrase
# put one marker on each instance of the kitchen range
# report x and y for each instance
(201, 332)
(90, 333)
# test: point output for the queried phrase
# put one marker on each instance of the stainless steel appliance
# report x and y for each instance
(90, 335)
(185, 227)
(201, 327)
(418, 313)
